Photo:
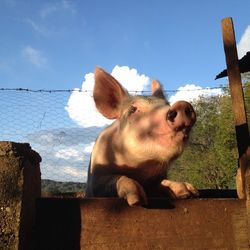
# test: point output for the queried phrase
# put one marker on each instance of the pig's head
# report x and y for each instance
(146, 128)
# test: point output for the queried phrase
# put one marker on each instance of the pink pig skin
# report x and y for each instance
(131, 157)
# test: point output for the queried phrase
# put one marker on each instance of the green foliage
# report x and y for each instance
(245, 77)
(56, 187)
(210, 160)
(247, 99)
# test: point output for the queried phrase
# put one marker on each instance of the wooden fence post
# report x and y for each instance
(20, 185)
(241, 125)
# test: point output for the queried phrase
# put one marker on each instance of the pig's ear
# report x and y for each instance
(108, 94)
(157, 90)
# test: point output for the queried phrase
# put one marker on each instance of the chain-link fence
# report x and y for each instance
(40, 119)
(61, 125)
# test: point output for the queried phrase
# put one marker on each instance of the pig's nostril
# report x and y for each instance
(171, 115)
(188, 112)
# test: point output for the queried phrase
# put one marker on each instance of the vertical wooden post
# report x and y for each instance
(20, 186)
(241, 126)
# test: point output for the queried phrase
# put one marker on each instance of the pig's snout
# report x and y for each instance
(181, 116)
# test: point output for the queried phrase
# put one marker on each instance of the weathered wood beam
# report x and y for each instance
(241, 125)
(20, 186)
(239, 111)
(109, 223)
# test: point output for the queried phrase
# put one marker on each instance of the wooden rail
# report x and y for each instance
(111, 224)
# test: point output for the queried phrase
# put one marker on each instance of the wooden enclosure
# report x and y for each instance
(217, 220)
(214, 223)
(111, 224)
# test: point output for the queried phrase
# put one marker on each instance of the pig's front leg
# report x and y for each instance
(131, 190)
(179, 190)
(121, 186)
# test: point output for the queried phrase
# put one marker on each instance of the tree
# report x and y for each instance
(247, 99)
(210, 160)
(245, 77)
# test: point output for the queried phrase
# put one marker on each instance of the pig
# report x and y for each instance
(130, 157)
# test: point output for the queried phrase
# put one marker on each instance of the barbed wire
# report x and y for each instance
(88, 91)
(63, 136)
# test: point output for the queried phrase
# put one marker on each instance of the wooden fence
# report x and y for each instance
(31, 222)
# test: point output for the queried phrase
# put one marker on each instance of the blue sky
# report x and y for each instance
(53, 44)
(57, 45)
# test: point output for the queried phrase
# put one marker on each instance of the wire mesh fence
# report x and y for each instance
(61, 125)
(40, 118)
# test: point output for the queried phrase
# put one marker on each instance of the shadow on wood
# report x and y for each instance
(109, 223)
(58, 224)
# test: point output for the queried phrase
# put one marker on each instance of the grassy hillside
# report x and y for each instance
(49, 186)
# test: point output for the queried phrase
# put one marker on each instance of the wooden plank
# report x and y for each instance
(20, 186)
(58, 224)
(241, 125)
(109, 223)
(233, 71)
(190, 224)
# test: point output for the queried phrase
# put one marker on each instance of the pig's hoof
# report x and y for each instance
(132, 191)
(135, 200)
(179, 190)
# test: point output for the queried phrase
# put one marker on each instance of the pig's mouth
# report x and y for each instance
(182, 135)
(181, 118)
(185, 136)
(185, 131)
(180, 130)
(165, 133)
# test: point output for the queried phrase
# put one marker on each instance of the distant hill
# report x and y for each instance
(54, 187)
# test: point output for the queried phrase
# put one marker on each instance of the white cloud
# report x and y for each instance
(191, 92)
(75, 173)
(65, 151)
(67, 5)
(70, 154)
(81, 107)
(63, 5)
(130, 78)
(48, 10)
(37, 27)
(244, 43)
(63, 163)
(64, 136)
(88, 149)
(34, 56)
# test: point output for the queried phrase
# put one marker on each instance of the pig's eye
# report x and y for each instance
(132, 110)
